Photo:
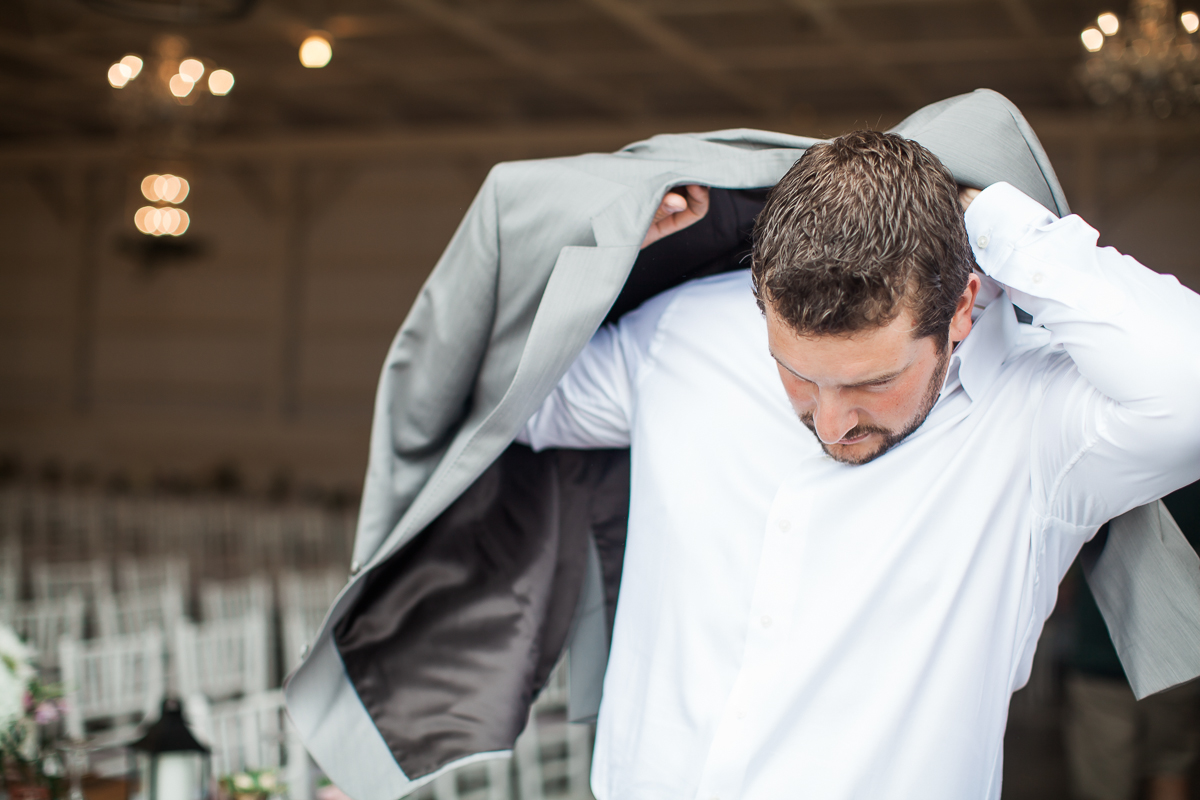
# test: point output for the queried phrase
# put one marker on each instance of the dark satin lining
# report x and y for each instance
(453, 636)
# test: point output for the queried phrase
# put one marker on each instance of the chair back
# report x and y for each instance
(41, 623)
(254, 733)
(114, 678)
(10, 570)
(56, 580)
(304, 599)
(140, 610)
(553, 757)
(222, 658)
(152, 574)
(236, 598)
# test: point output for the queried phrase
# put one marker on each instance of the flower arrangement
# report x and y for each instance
(27, 708)
(252, 783)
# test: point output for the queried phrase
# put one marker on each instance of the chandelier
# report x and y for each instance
(1147, 63)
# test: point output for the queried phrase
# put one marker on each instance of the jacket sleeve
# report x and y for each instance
(429, 372)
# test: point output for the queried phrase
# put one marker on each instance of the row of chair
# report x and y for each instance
(219, 536)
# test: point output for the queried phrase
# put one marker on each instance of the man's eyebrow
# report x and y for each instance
(868, 382)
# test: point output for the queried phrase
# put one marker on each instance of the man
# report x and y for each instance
(477, 561)
(844, 611)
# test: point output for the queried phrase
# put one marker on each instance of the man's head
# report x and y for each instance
(862, 267)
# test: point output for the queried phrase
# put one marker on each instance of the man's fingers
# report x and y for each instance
(679, 208)
(965, 195)
(672, 203)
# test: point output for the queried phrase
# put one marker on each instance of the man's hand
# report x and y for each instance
(681, 207)
(965, 195)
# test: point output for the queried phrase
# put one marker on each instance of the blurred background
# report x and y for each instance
(214, 215)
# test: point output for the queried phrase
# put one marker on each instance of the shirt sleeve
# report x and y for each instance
(594, 403)
(1118, 421)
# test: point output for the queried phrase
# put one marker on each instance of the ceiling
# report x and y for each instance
(431, 64)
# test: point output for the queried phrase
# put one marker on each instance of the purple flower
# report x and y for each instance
(47, 712)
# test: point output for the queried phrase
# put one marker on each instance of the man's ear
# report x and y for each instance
(960, 323)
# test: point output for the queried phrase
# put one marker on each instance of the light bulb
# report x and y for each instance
(180, 86)
(134, 63)
(220, 82)
(1109, 23)
(1092, 39)
(191, 69)
(148, 188)
(118, 75)
(315, 52)
(1190, 21)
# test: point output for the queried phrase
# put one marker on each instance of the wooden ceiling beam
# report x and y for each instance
(552, 71)
(699, 63)
(1022, 17)
(859, 55)
(1060, 129)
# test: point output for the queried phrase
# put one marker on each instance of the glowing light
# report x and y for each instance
(118, 75)
(148, 187)
(1108, 22)
(134, 63)
(147, 218)
(315, 52)
(168, 188)
(180, 86)
(191, 70)
(161, 221)
(1092, 39)
(1190, 21)
(220, 82)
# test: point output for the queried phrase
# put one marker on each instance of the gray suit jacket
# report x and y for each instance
(477, 561)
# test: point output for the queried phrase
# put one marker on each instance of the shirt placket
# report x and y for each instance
(773, 611)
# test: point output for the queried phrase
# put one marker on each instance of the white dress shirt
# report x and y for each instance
(794, 627)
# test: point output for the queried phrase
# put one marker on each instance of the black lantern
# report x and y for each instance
(171, 764)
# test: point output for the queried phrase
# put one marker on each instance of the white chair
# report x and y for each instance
(553, 757)
(41, 623)
(10, 569)
(117, 680)
(149, 574)
(223, 658)
(253, 733)
(304, 598)
(487, 780)
(137, 611)
(55, 580)
(237, 598)
(233, 599)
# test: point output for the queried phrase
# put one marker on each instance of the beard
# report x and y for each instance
(890, 438)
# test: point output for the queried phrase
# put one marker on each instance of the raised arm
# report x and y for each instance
(1120, 412)
(593, 404)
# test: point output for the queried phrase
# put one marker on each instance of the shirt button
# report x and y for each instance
(740, 713)
(1038, 277)
(354, 567)
(783, 525)
(982, 241)
(766, 620)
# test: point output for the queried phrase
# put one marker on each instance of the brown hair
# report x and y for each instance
(859, 229)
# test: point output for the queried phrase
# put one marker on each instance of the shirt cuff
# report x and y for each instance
(997, 219)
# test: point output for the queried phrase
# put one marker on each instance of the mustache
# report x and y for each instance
(855, 432)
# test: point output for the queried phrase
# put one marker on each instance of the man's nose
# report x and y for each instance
(834, 417)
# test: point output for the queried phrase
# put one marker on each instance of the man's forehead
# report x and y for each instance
(855, 356)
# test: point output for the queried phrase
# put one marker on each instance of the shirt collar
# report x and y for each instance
(977, 360)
